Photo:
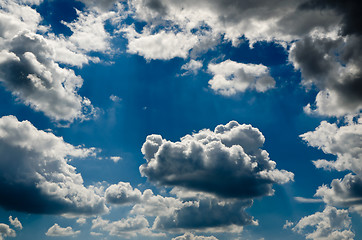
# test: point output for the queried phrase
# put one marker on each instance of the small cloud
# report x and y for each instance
(115, 98)
(15, 222)
(57, 231)
(288, 224)
(81, 221)
(308, 200)
(115, 158)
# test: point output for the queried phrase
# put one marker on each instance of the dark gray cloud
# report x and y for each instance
(34, 167)
(205, 214)
(351, 11)
(333, 64)
(227, 162)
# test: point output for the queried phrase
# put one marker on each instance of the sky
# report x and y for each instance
(180, 119)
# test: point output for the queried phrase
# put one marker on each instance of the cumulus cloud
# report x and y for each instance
(126, 228)
(345, 142)
(331, 224)
(227, 162)
(190, 236)
(6, 231)
(15, 222)
(231, 77)
(57, 231)
(192, 67)
(332, 64)
(35, 166)
(208, 214)
(122, 193)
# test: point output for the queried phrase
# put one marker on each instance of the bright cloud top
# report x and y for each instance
(35, 166)
(227, 162)
(232, 77)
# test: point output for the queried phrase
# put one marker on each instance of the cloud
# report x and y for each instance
(331, 224)
(190, 236)
(29, 73)
(163, 45)
(288, 224)
(192, 67)
(345, 143)
(332, 64)
(81, 221)
(231, 77)
(122, 193)
(307, 200)
(15, 222)
(57, 231)
(6, 231)
(208, 214)
(126, 228)
(35, 166)
(115, 98)
(227, 162)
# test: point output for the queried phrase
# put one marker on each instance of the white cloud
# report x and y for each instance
(331, 224)
(288, 224)
(227, 162)
(35, 166)
(81, 221)
(15, 222)
(345, 143)
(122, 193)
(162, 45)
(231, 77)
(126, 228)
(6, 231)
(57, 231)
(115, 98)
(307, 200)
(192, 67)
(190, 236)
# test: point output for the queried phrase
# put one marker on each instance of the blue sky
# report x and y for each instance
(180, 120)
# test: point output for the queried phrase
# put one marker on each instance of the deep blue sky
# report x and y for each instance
(136, 94)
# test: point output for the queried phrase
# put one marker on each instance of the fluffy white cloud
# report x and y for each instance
(126, 228)
(331, 224)
(34, 165)
(122, 193)
(231, 77)
(346, 143)
(15, 222)
(226, 162)
(190, 236)
(6, 231)
(57, 231)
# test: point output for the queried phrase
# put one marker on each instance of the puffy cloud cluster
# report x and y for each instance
(190, 236)
(30, 57)
(231, 77)
(331, 224)
(57, 231)
(189, 210)
(34, 165)
(6, 231)
(15, 222)
(227, 162)
(346, 143)
(126, 228)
